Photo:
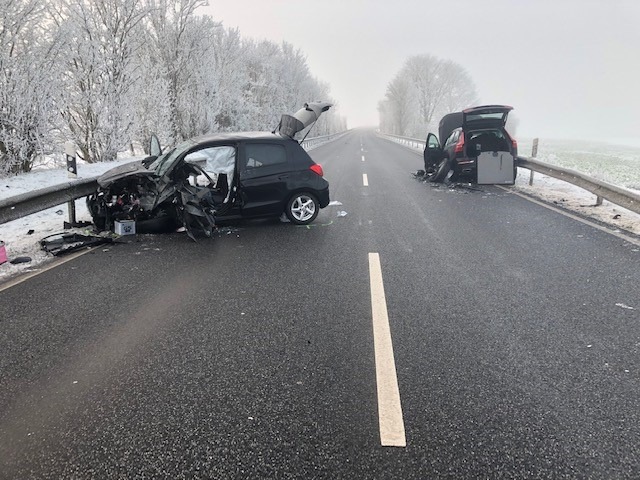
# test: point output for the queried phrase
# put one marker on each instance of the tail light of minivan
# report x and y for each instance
(459, 148)
(317, 169)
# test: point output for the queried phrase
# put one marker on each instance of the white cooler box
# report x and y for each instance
(496, 168)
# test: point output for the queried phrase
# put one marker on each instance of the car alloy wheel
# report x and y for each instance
(302, 208)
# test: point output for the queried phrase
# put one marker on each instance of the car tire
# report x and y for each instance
(302, 208)
(441, 171)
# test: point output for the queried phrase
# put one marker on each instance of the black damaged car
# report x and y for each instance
(217, 177)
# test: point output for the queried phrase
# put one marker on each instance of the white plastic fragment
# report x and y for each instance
(342, 213)
(622, 305)
(335, 203)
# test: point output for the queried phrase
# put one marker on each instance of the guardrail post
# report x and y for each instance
(534, 153)
(72, 172)
(70, 154)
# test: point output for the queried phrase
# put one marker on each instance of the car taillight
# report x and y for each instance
(317, 169)
(460, 145)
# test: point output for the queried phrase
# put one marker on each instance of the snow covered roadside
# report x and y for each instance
(576, 199)
(22, 236)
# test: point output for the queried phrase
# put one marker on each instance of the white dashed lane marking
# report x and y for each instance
(392, 433)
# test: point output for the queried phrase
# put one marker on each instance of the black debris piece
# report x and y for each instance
(61, 243)
(17, 260)
(80, 224)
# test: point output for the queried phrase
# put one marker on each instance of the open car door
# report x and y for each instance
(432, 153)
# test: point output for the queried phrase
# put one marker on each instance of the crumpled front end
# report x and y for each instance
(156, 205)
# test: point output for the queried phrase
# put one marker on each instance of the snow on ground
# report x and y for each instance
(576, 199)
(22, 236)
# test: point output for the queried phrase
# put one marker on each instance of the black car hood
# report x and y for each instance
(122, 171)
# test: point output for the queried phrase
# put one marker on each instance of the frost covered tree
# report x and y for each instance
(425, 89)
(182, 44)
(277, 81)
(109, 73)
(400, 105)
(26, 87)
(98, 39)
(231, 76)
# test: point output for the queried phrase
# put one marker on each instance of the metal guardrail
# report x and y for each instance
(32, 202)
(315, 141)
(612, 193)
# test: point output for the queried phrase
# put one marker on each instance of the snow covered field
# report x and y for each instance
(615, 164)
(611, 163)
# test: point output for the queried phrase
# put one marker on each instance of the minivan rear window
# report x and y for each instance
(473, 117)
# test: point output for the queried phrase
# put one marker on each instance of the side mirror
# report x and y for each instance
(155, 149)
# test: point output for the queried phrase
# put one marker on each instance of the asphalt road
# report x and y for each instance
(516, 339)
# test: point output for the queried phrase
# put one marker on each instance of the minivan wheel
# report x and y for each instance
(441, 171)
(302, 208)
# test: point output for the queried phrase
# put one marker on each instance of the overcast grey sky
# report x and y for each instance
(570, 68)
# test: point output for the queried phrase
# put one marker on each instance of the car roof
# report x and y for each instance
(240, 136)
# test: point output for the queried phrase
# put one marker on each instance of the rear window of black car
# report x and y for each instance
(264, 155)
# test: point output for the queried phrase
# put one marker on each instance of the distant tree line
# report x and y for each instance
(425, 89)
(106, 74)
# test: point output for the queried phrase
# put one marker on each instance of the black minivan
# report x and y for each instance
(217, 177)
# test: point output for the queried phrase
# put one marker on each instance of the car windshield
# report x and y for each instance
(164, 163)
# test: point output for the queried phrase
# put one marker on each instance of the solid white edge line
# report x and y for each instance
(574, 217)
(54, 264)
(392, 433)
(365, 180)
